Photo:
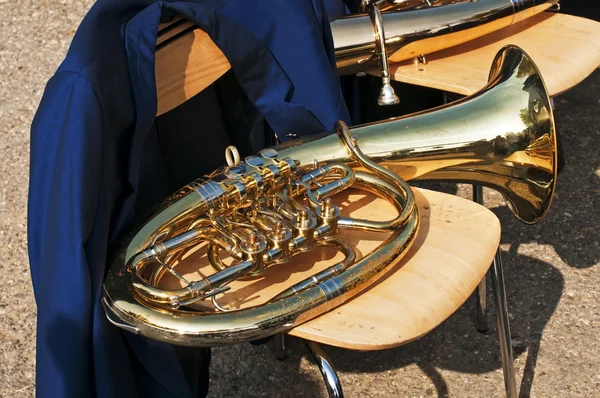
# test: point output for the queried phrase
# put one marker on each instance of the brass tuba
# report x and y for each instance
(276, 205)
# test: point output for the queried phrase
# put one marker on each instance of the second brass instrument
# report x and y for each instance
(409, 34)
(377, 38)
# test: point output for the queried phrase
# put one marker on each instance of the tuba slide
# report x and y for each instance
(278, 205)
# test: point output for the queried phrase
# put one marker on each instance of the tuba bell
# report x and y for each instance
(276, 205)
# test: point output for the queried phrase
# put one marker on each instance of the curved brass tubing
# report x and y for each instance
(275, 205)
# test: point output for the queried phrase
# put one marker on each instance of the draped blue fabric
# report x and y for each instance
(93, 131)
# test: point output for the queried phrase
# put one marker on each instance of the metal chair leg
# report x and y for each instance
(277, 346)
(508, 368)
(506, 353)
(332, 382)
(481, 323)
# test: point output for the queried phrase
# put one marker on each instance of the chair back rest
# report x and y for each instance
(187, 61)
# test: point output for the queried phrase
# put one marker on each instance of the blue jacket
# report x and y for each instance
(100, 159)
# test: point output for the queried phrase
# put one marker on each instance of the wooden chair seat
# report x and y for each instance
(456, 243)
(565, 48)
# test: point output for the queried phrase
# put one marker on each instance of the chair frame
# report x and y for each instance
(504, 336)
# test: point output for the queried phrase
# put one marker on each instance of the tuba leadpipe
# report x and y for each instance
(502, 137)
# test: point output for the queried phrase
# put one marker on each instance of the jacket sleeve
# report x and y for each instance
(65, 170)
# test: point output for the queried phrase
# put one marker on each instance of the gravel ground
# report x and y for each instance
(552, 269)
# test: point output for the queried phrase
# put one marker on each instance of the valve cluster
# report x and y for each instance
(272, 211)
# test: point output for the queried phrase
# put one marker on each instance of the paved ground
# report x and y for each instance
(552, 270)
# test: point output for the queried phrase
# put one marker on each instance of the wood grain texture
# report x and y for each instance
(456, 243)
(565, 48)
(186, 66)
